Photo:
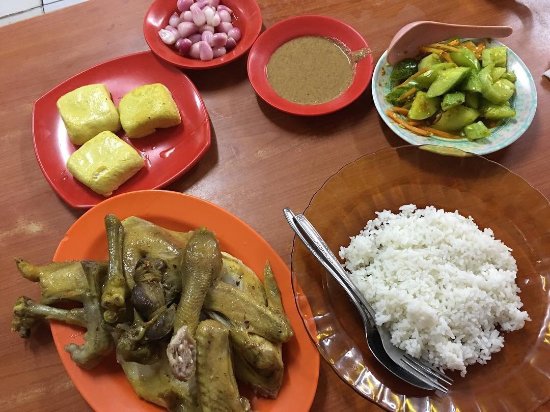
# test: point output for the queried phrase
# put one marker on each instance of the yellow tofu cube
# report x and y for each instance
(104, 162)
(147, 108)
(87, 111)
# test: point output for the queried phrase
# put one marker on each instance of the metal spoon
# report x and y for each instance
(360, 54)
(406, 41)
(393, 359)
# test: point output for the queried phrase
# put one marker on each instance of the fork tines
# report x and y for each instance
(438, 379)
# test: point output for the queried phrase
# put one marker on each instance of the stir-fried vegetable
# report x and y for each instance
(455, 89)
(403, 70)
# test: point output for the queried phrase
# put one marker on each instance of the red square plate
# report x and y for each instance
(168, 152)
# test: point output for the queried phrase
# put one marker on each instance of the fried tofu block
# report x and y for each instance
(147, 108)
(87, 111)
(104, 163)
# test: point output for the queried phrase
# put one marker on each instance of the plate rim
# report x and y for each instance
(411, 138)
(258, 78)
(38, 103)
(314, 355)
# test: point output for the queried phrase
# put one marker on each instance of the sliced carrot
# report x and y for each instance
(440, 133)
(442, 46)
(407, 94)
(447, 57)
(479, 50)
(405, 125)
(400, 110)
(425, 49)
(415, 122)
(469, 45)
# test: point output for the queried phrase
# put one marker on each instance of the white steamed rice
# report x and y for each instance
(440, 285)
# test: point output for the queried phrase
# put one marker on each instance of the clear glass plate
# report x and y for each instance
(518, 377)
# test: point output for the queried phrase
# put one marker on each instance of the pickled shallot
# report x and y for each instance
(201, 29)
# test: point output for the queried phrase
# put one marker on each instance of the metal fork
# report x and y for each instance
(414, 371)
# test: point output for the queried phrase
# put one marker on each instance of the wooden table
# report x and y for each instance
(261, 159)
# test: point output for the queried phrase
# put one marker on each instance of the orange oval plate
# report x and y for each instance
(105, 387)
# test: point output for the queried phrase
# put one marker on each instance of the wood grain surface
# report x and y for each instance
(261, 160)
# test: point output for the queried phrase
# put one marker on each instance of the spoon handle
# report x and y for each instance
(410, 37)
(320, 250)
(464, 30)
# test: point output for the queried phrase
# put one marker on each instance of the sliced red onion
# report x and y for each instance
(205, 51)
(183, 46)
(173, 30)
(231, 43)
(218, 51)
(186, 16)
(224, 16)
(209, 14)
(174, 20)
(184, 5)
(224, 27)
(206, 27)
(187, 28)
(219, 40)
(216, 20)
(198, 15)
(234, 33)
(207, 37)
(195, 38)
(202, 3)
(202, 29)
(194, 51)
(167, 36)
(222, 7)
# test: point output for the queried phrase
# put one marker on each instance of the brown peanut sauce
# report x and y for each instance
(310, 70)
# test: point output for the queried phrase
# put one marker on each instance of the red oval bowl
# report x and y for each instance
(299, 26)
(248, 18)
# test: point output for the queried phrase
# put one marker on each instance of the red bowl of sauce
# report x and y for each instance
(310, 65)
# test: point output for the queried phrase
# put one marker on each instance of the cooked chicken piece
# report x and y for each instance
(236, 273)
(155, 383)
(218, 391)
(242, 311)
(144, 239)
(201, 266)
